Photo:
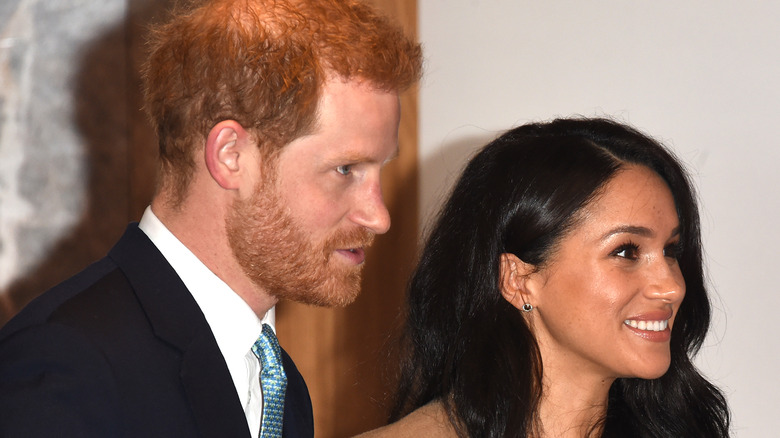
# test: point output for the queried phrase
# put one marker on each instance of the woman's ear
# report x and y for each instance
(230, 154)
(514, 280)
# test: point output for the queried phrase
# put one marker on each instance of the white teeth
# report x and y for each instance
(653, 326)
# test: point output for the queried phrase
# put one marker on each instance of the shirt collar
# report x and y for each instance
(234, 324)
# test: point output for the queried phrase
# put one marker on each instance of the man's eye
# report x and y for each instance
(345, 169)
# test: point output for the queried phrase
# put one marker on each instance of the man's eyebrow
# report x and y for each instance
(360, 157)
(636, 230)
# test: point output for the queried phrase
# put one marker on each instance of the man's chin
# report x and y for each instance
(334, 293)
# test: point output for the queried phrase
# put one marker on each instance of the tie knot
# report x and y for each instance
(267, 349)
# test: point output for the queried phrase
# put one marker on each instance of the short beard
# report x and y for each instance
(279, 258)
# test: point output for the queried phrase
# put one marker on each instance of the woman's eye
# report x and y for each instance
(628, 251)
(345, 169)
(673, 251)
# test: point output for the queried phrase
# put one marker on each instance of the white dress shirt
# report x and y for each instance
(235, 326)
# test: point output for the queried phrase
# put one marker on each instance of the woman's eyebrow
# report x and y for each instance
(636, 230)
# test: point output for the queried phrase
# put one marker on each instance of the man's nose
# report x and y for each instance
(370, 210)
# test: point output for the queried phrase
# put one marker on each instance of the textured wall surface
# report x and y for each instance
(63, 139)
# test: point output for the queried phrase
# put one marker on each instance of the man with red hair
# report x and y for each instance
(274, 119)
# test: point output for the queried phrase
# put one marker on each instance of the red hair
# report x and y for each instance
(262, 63)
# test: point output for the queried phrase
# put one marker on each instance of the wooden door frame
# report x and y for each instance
(346, 354)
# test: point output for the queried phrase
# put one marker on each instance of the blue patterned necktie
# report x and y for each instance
(273, 381)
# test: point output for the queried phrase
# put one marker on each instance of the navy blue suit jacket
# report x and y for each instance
(123, 350)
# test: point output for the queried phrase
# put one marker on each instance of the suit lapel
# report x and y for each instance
(298, 418)
(177, 319)
(213, 400)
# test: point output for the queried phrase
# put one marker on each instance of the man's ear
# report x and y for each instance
(229, 149)
(515, 282)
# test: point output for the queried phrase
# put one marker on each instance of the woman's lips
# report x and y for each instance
(653, 327)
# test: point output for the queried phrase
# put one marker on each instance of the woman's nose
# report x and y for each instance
(665, 281)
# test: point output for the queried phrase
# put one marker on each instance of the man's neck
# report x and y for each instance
(203, 232)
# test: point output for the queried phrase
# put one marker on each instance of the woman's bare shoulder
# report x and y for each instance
(429, 421)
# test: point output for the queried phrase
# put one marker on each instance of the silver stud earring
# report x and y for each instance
(527, 307)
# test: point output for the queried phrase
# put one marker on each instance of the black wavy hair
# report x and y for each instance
(465, 345)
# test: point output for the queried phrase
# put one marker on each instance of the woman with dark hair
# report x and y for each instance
(561, 293)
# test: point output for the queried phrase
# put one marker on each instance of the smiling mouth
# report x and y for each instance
(652, 326)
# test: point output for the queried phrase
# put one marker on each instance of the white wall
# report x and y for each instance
(703, 76)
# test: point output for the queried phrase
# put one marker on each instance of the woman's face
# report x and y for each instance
(606, 301)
